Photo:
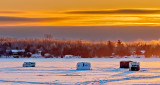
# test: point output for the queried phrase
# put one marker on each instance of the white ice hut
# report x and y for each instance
(29, 64)
(83, 66)
(134, 66)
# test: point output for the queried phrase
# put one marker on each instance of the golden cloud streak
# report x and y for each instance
(114, 17)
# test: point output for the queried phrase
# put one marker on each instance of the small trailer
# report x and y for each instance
(124, 64)
(83, 66)
(134, 66)
(29, 64)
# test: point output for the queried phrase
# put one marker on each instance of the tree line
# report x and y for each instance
(83, 48)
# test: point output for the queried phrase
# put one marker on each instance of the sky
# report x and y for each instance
(90, 33)
(79, 13)
(127, 20)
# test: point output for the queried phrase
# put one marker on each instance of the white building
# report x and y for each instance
(83, 66)
(68, 56)
(17, 53)
(71, 56)
(47, 55)
(143, 52)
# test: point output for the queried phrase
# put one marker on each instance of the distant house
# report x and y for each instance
(137, 54)
(133, 52)
(17, 53)
(71, 56)
(68, 56)
(143, 51)
(28, 54)
(47, 55)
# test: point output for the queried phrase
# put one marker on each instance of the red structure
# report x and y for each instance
(125, 64)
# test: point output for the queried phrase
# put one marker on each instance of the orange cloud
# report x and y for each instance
(12, 12)
(114, 17)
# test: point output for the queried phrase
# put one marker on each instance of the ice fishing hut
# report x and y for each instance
(29, 64)
(83, 66)
(134, 66)
(124, 64)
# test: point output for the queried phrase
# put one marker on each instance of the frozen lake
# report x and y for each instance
(63, 72)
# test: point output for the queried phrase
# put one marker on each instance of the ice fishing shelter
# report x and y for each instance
(29, 64)
(124, 64)
(134, 66)
(83, 66)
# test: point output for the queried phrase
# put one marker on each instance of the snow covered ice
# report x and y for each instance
(63, 72)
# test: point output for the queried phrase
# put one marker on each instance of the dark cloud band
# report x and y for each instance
(25, 19)
(120, 11)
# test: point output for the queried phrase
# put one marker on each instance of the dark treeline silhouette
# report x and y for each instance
(85, 49)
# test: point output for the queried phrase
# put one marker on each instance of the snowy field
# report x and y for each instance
(63, 72)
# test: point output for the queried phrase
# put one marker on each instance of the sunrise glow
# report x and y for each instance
(79, 13)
